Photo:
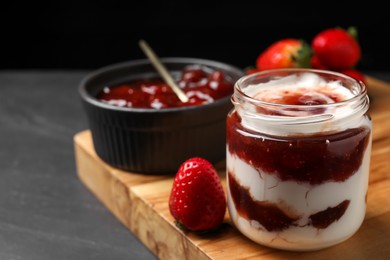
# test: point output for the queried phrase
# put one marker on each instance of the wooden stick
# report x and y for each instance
(163, 71)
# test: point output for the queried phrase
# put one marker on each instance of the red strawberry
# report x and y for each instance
(316, 64)
(285, 53)
(197, 200)
(355, 74)
(336, 48)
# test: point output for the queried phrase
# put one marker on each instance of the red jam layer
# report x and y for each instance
(268, 214)
(274, 218)
(314, 159)
(199, 85)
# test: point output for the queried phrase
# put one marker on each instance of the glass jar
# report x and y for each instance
(298, 156)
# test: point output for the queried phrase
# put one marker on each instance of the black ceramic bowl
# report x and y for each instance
(155, 141)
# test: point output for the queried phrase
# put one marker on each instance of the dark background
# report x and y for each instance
(92, 34)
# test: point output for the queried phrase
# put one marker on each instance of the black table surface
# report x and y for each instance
(45, 211)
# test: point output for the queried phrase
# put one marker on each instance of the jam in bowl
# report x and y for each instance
(200, 84)
(152, 132)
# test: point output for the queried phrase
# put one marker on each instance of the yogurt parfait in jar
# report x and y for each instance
(298, 157)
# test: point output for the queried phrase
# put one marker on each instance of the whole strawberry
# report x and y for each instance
(285, 53)
(197, 200)
(336, 48)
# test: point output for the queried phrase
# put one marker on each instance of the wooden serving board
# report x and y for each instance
(140, 202)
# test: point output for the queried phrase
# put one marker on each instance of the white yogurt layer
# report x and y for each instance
(308, 83)
(300, 119)
(303, 200)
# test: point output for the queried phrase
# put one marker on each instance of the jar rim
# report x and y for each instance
(360, 94)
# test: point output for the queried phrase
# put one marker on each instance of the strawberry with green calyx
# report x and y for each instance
(336, 48)
(197, 200)
(285, 53)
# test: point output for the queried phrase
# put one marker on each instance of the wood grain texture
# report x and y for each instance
(140, 202)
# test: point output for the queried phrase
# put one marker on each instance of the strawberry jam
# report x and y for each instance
(298, 153)
(200, 85)
(315, 158)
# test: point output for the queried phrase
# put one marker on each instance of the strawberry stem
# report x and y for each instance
(304, 54)
(352, 30)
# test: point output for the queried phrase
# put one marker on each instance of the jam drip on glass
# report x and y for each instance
(315, 158)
